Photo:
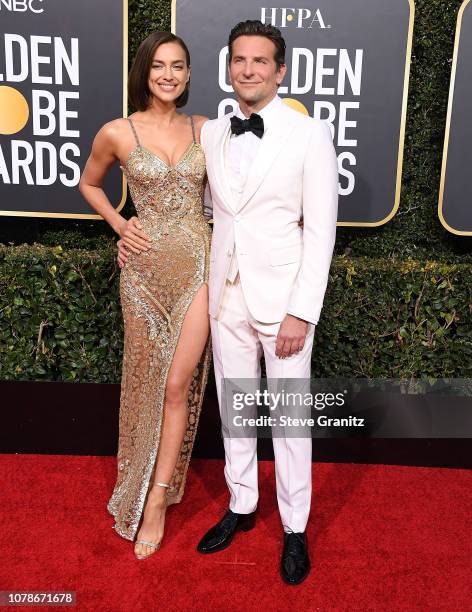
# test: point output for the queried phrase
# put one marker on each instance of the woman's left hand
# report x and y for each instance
(122, 256)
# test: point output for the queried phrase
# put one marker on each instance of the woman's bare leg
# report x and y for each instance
(192, 341)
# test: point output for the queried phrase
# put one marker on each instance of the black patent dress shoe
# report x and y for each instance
(221, 535)
(295, 563)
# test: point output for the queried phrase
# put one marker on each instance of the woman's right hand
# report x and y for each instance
(132, 236)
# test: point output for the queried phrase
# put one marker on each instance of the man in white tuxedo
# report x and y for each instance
(268, 166)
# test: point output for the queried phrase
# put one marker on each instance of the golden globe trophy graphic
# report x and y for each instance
(296, 105)
(14, 110)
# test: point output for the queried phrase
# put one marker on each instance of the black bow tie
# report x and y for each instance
(254, 124)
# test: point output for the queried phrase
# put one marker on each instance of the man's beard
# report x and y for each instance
(252, 97)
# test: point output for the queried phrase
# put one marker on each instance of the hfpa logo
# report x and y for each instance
(301, 17)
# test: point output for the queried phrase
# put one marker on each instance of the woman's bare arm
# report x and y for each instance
(103, 155)
(101, 158)
(199, 121)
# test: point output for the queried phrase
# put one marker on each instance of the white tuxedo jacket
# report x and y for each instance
(283, 269)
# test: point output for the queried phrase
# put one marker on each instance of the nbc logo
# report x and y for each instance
(21, 6)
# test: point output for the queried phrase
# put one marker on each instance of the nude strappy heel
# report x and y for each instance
(145, 542)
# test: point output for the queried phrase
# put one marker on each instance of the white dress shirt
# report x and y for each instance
(241, 153)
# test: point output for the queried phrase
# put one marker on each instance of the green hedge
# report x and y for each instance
(60, 317)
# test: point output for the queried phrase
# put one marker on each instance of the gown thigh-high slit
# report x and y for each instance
(157, 288)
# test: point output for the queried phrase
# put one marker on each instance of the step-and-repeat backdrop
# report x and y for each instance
(348, 64)
(455, 194)
(63, 72)
(63, 69)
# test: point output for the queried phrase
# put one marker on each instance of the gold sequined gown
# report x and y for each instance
(156, 289)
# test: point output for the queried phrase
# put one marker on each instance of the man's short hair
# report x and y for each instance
(257, 28)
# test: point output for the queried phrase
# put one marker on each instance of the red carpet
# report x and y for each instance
(381, 538)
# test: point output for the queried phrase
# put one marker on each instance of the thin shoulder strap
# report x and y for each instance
(134, 131)
(193, 128)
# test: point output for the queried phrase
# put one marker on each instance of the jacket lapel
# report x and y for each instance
(275, 138)
(222, 141)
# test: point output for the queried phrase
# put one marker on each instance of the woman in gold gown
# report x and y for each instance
(163, 286)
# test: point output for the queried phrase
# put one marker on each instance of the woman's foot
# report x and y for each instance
(152, 528)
